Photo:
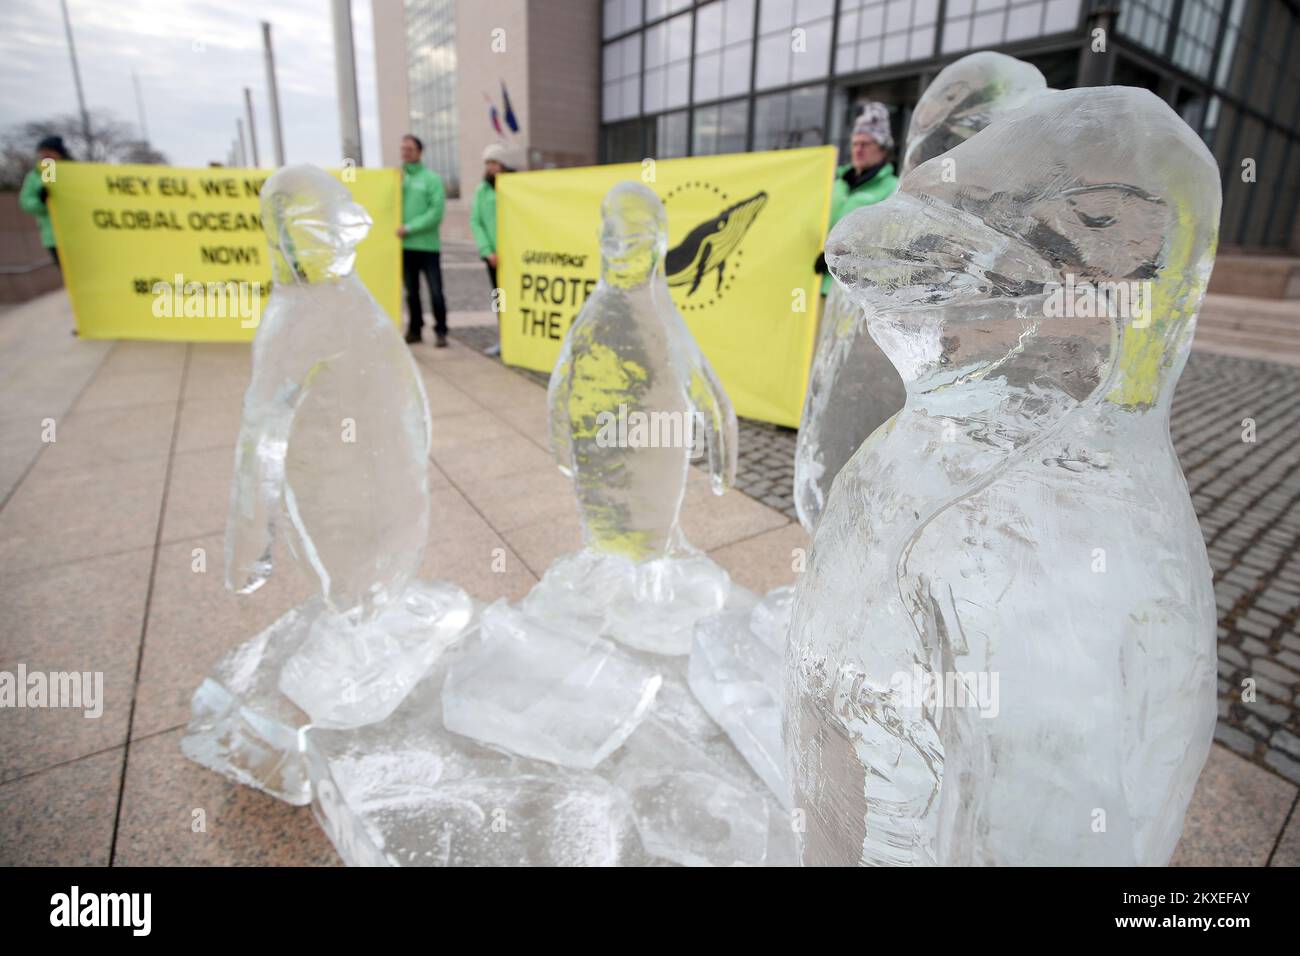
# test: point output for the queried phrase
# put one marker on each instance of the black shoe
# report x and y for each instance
(413, 338)
(440, 342)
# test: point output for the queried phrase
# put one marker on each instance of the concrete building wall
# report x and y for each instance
(389, 19)
(485, 59)
(564, 82)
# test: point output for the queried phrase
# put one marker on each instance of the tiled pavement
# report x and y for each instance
(110, 544)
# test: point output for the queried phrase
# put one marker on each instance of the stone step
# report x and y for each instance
(1263, 276)
(1267, 328)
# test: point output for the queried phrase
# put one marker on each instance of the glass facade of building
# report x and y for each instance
(431, 85)
(696, 77)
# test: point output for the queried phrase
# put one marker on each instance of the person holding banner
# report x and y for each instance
(869, 176)
(423, 202)
(34, 195)
(483, 214)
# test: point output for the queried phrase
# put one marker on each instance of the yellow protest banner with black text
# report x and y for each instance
(744, 231)
(160, 252)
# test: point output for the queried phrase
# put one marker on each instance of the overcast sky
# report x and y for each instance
(194, 58)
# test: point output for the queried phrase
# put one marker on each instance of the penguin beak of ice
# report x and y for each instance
(907, 253)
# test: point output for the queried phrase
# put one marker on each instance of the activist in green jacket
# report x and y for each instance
(497, 159)
(869, 178)
(424, 200)
(483, 219)
(32, 197)
(31, 200)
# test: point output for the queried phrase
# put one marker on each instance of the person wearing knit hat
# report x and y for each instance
(868, 177)
(497, 159)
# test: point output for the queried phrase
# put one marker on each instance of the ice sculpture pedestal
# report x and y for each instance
(245, 726)
(410, 792)
(735, 673)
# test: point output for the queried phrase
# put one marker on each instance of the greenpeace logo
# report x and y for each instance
(82, 690)
(102, 909)
(563, 259)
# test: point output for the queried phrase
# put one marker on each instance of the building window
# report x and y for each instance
(1232, 33)
(1197, 29)
(980, 23)
(668, 135)
(668, 64)
(620, 16)
(621, 76)
(622, 142)
(794, 42)
(790, 119)
(1146, 22)
(431, 76)
(657, 9)
(876, 33)
(720, 128)
(724, 47)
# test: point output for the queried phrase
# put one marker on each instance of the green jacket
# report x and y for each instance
(29, 200)
(423, 202)
(483, 219)
(843, 201)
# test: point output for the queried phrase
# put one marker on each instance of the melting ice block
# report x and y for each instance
(965, 684)
(563, 696)
(650, 605)
(240, 723)
(735, 673)
(408, 792)
(346, 674)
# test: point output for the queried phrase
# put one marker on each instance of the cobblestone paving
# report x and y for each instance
(1247, 497)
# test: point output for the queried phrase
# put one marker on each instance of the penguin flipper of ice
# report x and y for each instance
(711, 409)
(558, 392)
(258, 488)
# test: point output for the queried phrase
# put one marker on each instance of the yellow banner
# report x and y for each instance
(158, 252)
(743, 233)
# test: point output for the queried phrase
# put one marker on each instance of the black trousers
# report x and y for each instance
(492, 273)
(416, 262)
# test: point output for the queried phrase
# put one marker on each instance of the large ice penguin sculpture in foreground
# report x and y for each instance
(334, 450)
(736, 660)
(852, 387)
(1003, 648)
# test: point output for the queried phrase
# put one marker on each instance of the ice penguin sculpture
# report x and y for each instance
(736, 660)
(630, 397)
(852, 387)
(333, 451)
(632, 401)
(1003, 649)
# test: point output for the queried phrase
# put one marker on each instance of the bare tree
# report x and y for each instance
(110, 141)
